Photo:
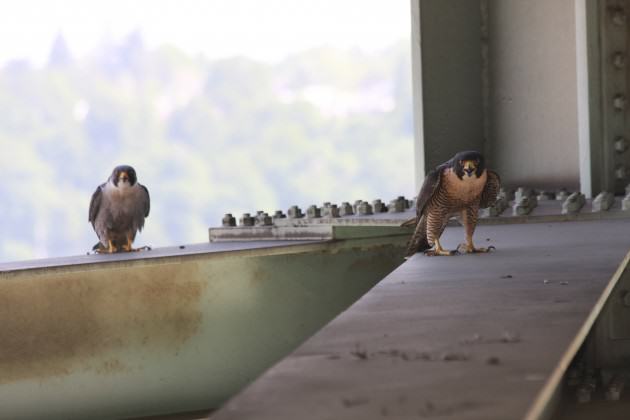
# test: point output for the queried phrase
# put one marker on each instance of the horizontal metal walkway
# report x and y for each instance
(464, 337)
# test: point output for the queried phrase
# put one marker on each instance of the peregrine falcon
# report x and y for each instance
(118, 209)
(461, 186)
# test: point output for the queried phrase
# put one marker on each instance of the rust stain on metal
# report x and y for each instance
(58, 324)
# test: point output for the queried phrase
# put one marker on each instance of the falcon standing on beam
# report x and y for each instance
(118, 209)
(462, 186)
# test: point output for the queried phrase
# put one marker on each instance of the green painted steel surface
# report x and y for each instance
(172, 334)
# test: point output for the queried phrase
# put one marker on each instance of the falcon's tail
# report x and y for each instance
(411, 222)
(418, 241)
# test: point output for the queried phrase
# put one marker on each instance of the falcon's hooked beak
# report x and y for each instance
(470, 167)
(123, 176)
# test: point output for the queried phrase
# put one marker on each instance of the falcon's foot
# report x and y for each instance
(470, 249)
(142, 248)
(440, 252)
(109, 249)
(129, 248)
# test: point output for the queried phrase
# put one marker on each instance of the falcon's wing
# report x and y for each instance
(490, 191)
(146, 201)
(430, 185)
(95, 203)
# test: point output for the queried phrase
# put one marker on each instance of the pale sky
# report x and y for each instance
(262, 29)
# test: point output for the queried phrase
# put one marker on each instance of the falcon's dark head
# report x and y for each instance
(125, 174)
(468, 163)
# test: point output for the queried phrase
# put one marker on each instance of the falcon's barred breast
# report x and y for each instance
(118, 209)
(461, 186)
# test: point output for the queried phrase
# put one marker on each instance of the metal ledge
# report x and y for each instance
(466, 337)
(170, 330)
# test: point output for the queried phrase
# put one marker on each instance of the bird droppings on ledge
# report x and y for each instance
(359, 353)
(454, 357)
(493, 361)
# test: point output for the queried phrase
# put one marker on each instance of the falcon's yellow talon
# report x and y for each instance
(438, 250)
(111, 248)
(470, 249)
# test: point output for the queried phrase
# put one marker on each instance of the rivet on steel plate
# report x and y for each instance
(618, 16)
(295, 212)
(330, 211)
(621, 172)
(379, 206)
(228, 220)
(263, 219)
(397, 206)
(574, 203)
(345, 209)
(619, 102)
(621, 144)
(246, 220)
(364, 208)
(279, 215)
(313, 212)
(524, 205)
(603, 201)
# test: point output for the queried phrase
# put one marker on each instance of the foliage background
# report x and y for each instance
(205, 136)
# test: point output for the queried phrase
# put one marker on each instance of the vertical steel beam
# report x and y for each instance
(604, 124)
(447, 79)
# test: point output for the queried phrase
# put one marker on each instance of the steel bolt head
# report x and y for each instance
(603, 201)
(330, 211)
(621, 172)
(263, 219)
(346, 209)
(619, 60)
(364, 208)
(295, 212)
(619, 102)
(621, 144)
(313, 212)
(379, 206)
(396, 206)
(228, 220)
(246, 220)
(619, 17)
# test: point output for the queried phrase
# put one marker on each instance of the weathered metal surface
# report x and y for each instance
(127, 335)
(464, 337)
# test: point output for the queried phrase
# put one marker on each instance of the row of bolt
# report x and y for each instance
(619, 18)
(526, 200)
(328, 210)
(585, 382)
